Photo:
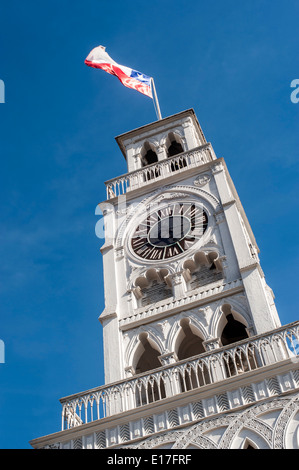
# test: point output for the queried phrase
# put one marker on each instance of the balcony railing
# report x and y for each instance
(211, 367)
(156, 171)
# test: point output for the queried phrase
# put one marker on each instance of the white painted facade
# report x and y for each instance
(195, 355)
(228, 235)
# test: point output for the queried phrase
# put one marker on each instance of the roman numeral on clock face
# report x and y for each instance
(166, 212)
(174, 250)
(138, 242)
(156, 253)
(147, 251)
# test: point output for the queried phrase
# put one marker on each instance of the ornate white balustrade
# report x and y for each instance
(159, 170)
(214, 366)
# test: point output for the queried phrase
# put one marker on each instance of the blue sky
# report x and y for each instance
(231, 61)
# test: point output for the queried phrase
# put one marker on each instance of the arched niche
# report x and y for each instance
(234, 326)
(148, 154)
(174, 144)
(204, 268)
(154, 285)
(147, 354)
(249, 438)
(188, 342)
(200, 259)
(174, 147)
(248, 444)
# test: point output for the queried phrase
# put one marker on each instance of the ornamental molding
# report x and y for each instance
(192, 299)
(280, 432)
(232, 424)
(169, 196)
(202, 180)
(247, 418)
(217, 168)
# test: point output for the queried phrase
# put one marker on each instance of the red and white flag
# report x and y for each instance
(99, 59)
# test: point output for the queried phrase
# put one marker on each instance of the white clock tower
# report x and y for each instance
(195, 355)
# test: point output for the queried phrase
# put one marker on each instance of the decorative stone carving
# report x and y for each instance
(202, 180)
(205, 313)
(129, 371)
(218, 168)
(211, 344)
(119, 252)
(168, 358)
(220, 217)
(167, 196)
(165, 327)
(231, 425)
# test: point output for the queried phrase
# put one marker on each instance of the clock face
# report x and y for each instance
(169, 231)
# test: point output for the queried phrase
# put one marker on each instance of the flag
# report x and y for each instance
(99, 59)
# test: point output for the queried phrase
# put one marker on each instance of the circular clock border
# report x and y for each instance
(150, 253)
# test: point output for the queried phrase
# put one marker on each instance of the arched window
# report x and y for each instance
(234, 330)
(150, 388)
(148, 154)
(148, 157)
(149, 356)
(174, 145)
(189, 343)
(238, 359)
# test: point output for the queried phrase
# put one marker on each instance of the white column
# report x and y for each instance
(192, 140)
(262, 313)
(109, 317)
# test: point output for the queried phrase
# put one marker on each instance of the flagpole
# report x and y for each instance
(158, 112)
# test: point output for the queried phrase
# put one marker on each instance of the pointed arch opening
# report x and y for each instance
(148, 154)
(234, 330)
(151, 387)
(149, 157)
(189, 343)
(147, 355)
(249, 438)
(174, 147)
(248, 445)
(240, 358)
